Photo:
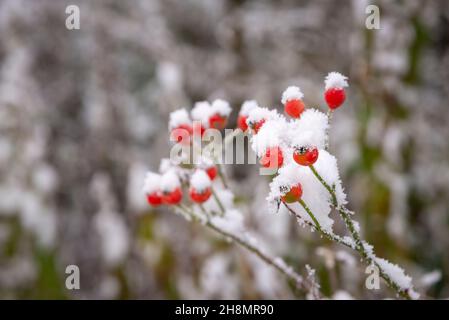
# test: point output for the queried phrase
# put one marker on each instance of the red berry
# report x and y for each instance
(241, 122)
(212, 172)
(154, 199)
(182, 134)
(217, 121)
(293, 195)
(200, 197)
(273, 158)
(335, 97)
(305, 156)
(294, 108)
(173, 197)
(257, 125)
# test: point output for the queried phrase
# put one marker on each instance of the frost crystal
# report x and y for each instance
(291, 93)
(335, 80)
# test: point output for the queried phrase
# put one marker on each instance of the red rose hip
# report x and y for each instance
(305, 156)
(293, 195)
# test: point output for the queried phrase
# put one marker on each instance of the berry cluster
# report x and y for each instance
(306, 180)
(273, 136)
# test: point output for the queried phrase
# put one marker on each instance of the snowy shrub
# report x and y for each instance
(305, 181)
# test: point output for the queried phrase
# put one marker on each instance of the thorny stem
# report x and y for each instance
(304, 284)
(345, 214)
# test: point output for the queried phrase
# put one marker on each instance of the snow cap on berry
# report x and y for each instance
(170, 181)
(335, 80)
(247, 106)
(200, 181)
(201, 111)
(179, 117)
(291, 93)
(258, 114)
(309, 130)
(288, 177)
(314, 194)
(221, 107)
(151, 183)
(270, 135)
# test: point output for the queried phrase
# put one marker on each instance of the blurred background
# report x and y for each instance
(83, 115)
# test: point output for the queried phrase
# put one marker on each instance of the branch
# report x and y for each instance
(304, 284)
(360, 246)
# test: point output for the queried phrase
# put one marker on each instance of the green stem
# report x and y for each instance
(312, 216)
(359, 244)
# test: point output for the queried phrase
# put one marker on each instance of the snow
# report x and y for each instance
(201, 112)
(257, 114)
(200, 181)
(226, 198)
(170, 181)
(231, 222)
(314, 194)
(326, 166)
(270, 135)
(309, 130)
(335, 80)
(221, 107)
(178, 118)
(291, 93)
(151, 183)
(396, 273)
(247, 106)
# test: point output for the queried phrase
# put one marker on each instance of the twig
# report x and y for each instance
(360, 246)
(277, 263)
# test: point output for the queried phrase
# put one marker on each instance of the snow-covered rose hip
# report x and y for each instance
(273, 158)
(220, 111)
(200, 187)
(334, 89)
(257, 118)
(292, 194)
(151, 188)
(292, 101)
(247, 106)
(305, 156)
(180, 126)
(171, 188)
